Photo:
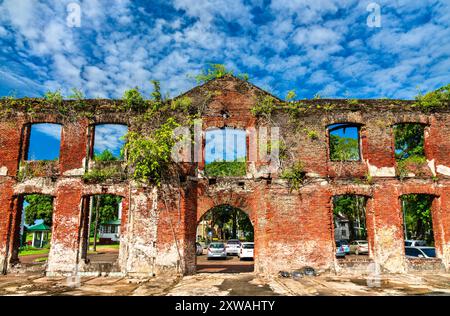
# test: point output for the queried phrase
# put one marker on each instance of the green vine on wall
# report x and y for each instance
(295, 175)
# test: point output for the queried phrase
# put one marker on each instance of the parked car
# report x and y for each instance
(198, 249)
(415, 243)
(359, 247)
(246, 250)
(340, 250)
(344, 244)
(420, 252)
(217, 250)
(233, 247)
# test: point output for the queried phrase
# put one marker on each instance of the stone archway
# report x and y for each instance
(228, 226)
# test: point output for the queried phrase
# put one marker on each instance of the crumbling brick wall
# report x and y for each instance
(292, 228)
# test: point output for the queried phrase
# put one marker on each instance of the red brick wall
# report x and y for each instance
(292, 228)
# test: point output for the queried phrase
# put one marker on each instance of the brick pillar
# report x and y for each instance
(441, 208)
(170, 243)
(379, 149)
(388, 245)
(189, 210)
(138, 238)
(10, 143)
(63, 256)
(437, 145)
(7, 211)
(73, 148)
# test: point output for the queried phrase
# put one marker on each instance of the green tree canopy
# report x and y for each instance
(417, 216)
(409, 140)
(343, 148)
(38, 206)
(105, 155)
(108, 207)
(353, 208)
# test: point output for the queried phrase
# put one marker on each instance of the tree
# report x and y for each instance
(39, 207)
(409, 140)
(106, 208)
(229, 220)
(343, 148)
(105, 155)
(352, 207)
(417, 217)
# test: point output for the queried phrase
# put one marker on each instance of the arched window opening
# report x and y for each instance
(344, 142)
(109, 140)
(225, 152)
(44, 141)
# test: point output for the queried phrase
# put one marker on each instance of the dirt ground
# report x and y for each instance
(226, 284)
(231, 265)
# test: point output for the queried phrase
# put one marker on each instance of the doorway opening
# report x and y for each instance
(350, 228)
(225, 241)
(101, 231)
(32, 231)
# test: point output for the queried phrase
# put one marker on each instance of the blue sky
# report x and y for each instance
(109, 137)
(45, 140)
(313, 46)
(225, 145)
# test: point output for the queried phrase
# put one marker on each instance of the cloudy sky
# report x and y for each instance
(313, 46)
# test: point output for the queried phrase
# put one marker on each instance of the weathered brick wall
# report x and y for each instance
(292, 228)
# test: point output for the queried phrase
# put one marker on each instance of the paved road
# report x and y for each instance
(231, 265)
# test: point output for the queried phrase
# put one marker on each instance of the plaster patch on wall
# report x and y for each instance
(388, 250)
(443, 170)
(374, 171)
(432, 167)
(61, 258)
(74, 172)
(36, 185)
(3, 171)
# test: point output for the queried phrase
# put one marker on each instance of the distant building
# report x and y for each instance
(109, 232)
(341, 227)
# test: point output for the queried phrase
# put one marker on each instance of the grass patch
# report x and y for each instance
(33, 251)
(43, 259)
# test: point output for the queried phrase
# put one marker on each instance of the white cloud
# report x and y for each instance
(108, 136)
(52, 130)
(325, 41)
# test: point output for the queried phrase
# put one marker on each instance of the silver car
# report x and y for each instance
(217, 250)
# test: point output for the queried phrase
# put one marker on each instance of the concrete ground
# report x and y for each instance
(227, 284)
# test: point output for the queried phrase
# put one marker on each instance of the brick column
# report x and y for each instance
(66, 227)
(442, 209)
(73, 148)
(388, 246)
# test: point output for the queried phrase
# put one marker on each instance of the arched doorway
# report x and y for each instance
(225, 241)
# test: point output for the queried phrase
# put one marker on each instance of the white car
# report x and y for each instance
(415, 243)
(247, 250)
(233, 246)
(359, 247)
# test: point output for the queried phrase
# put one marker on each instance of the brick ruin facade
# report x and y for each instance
(292, 228)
